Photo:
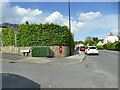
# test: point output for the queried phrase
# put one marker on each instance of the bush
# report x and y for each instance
(112, 46)
(117, 45)
(100, 46)
(39, 35)
(107, 46)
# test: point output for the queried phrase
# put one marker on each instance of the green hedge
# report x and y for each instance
(116, 46)
(100, 47)
(38, 35)
(112, 46)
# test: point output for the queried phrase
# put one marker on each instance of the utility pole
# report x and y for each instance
(69, 24)
(15, 44)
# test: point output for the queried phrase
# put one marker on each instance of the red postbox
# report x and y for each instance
(60, 49)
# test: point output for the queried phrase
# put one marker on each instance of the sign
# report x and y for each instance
(27, 50)
(15, 29)
(60, 49)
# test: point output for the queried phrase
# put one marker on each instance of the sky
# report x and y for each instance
(96, 19)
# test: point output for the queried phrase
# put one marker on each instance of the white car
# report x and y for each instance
(91, 50)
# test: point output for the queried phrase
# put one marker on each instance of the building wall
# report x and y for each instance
(100, 43)
(110, 39)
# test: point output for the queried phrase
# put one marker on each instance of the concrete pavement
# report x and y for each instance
(43, 60)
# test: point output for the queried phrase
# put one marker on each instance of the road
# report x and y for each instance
(105, 65)
(94, 72)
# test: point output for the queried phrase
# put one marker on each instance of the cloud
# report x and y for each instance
(114, 31)
(20, 15)
(107, 22)
(4, 0)
(93, 23)
(55, 17)
(77, 26)
(87, 22)
(2, 6)
(89, 16)
(33, 16)
(27, 12)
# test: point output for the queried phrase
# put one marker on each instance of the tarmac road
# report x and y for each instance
(94, 72)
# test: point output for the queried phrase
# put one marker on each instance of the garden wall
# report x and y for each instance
(17, 50)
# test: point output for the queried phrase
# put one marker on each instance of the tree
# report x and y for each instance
(91, 40)
(79, 42)
(88, 40)
(95, 39)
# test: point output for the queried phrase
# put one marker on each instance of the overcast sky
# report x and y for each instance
(94, 19)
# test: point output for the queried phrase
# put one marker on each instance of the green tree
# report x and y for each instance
(79, 42)
(89, 40)
(95, 39)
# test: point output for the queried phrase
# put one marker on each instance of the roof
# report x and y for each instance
(111, 34)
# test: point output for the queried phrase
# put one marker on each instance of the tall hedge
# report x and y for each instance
(112, 46)
(38, 35)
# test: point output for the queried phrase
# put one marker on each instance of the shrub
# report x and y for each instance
(112, 46)
(117, 45)
(100, 46)
(107, 46)
(39, 35)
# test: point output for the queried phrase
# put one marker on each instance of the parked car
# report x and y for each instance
(92, 50)
(82, 48)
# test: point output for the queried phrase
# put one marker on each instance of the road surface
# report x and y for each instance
(94, 72)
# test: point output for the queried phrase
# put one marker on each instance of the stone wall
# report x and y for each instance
(65, 51)
(17, 50)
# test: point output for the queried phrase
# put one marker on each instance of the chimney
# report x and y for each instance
(110, 34)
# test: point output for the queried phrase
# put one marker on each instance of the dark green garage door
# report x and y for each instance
(40, 51)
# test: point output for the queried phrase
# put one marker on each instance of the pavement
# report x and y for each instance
(77, 58)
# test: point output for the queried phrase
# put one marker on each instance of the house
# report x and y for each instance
(78, 46)
(100, 43)
(111, 38)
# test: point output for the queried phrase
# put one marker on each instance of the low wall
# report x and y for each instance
(17, 50)
(65, 51)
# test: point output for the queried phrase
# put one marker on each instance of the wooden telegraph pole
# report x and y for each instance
(69, 24)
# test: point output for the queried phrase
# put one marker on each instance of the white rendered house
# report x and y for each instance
(100, 43)
(111, 38)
